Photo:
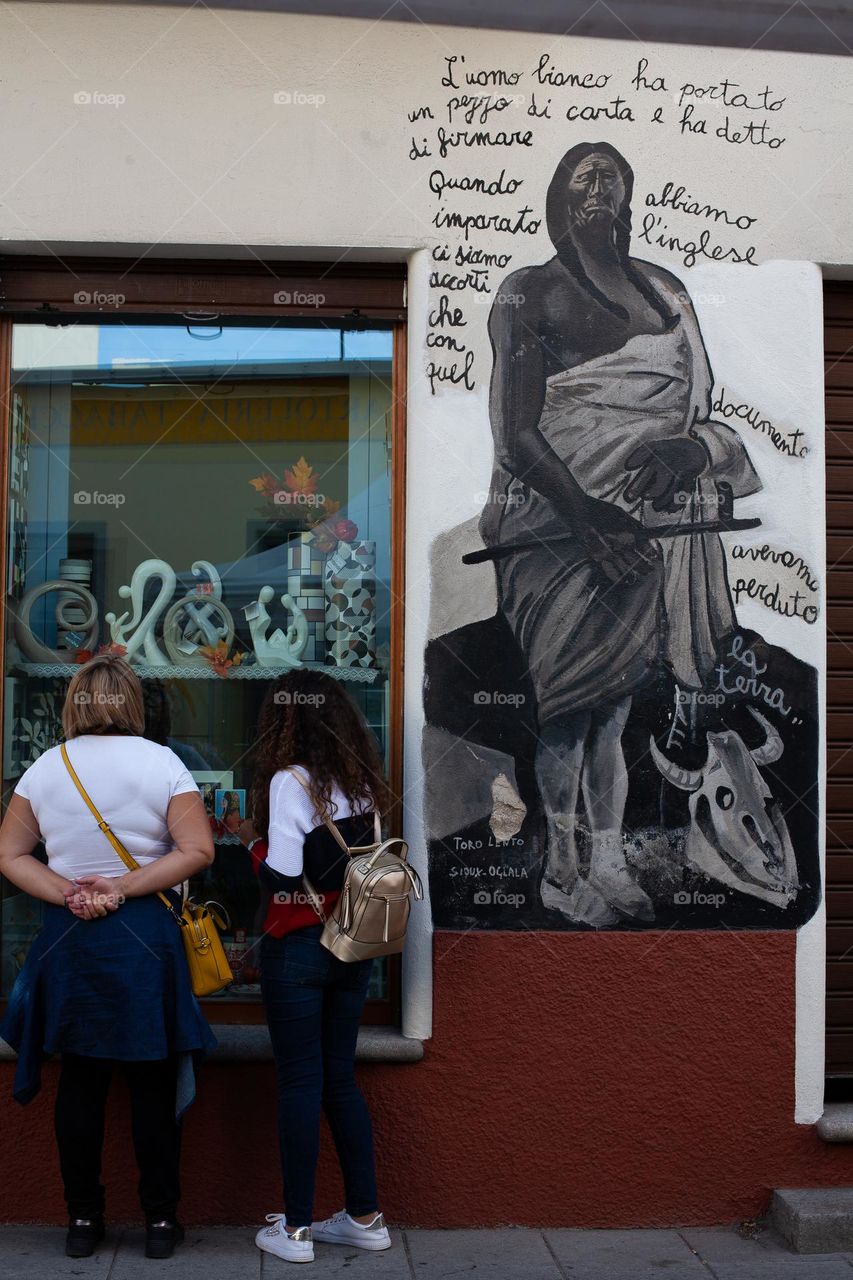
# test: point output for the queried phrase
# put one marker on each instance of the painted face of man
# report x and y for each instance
(596, 191)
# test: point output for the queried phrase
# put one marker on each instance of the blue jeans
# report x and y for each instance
(314, 1004)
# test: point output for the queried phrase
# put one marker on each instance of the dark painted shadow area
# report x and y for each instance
(481, 724)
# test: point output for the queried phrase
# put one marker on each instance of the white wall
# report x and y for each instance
(207, 130)
(200, 153)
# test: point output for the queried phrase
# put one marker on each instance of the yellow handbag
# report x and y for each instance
(209, 969)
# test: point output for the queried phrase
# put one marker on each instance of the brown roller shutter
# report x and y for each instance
(72, 288)
(838, 327)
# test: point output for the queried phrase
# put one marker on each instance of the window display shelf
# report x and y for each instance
(253, 671)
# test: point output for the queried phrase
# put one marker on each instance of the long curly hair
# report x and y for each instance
(307, 718)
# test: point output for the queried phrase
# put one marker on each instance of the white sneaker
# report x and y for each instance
(295, 1246)
(342, 1229)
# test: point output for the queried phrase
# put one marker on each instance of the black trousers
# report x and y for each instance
(81, 1100)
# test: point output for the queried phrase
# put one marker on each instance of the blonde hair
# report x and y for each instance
(105, 696)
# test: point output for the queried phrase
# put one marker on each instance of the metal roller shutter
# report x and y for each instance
(838, 317)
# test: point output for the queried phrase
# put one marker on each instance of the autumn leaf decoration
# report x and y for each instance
(324, 538)
(265, 484)
(302, 478)
(322, 515)
(301, 481)
(218, 657)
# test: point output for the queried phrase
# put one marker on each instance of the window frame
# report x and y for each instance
(41, 290)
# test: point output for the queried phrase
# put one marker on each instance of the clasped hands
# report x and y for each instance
(93, 896)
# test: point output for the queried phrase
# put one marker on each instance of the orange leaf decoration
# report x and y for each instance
(83, 655)
(302, 479)
(266, 484)
(324, 538)
(217, 656)
(331, 506)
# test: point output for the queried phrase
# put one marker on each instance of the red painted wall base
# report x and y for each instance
(611, 1080)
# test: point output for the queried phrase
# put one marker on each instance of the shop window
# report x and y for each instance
(168, 484)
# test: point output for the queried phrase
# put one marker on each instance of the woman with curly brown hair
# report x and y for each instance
(315, 759)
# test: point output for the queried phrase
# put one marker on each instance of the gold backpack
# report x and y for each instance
(370, 917)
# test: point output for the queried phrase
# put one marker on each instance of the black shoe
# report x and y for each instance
(162, 1237)
(83, 1235)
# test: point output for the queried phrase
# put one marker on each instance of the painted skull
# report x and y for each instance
(737, 832)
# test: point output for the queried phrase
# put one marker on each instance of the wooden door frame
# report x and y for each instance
(6, 327)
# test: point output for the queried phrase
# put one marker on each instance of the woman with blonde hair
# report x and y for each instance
(106, 979)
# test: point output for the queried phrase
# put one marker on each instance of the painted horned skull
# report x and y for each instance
(737, 832)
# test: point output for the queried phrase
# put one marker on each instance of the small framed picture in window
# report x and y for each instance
(211, 784)
(230, 808)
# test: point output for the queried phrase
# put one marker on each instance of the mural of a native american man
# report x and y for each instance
(610, 490)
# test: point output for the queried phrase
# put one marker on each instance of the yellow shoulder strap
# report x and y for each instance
(127, 858)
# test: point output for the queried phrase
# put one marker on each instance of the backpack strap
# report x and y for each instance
(377, 819)
(313, 896)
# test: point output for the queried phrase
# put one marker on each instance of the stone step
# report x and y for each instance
(836, 1123)
(814, 1219)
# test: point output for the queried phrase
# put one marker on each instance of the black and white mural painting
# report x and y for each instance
(612, 748)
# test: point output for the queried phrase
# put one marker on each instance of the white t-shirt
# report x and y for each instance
(292, 817)
(130, 780)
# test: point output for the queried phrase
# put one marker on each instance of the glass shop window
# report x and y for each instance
(215, 502)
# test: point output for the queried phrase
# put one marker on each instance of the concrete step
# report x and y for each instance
(814, 1219)
(836, 1123)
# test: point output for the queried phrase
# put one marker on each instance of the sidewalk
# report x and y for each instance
(228, 1253)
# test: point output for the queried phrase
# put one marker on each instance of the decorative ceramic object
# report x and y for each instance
(213, 587)
(70, 620)
(200, 618)
(86, 627)
(186, 628)
(283, 648)
(351, 605)
(137, 635)
(305, 569)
